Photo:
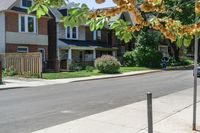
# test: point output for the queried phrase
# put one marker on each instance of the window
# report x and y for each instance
(26, 3)
(22, 24)
(72, 33)
(68, 32)
(27, 24)
(22, 49)
(97, 35)
(42, 51)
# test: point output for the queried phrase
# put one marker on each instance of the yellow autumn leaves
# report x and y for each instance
(169, 27)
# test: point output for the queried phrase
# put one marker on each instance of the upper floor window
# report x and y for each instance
(97, 35)
(26, 3)
(27, 23)
(72, 33)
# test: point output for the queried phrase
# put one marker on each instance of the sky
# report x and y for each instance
(93, 5)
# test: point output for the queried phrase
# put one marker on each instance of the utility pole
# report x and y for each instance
(195, 74)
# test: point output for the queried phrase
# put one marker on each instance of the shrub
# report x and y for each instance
(107, 64)
(143, 56)
(75, 67)
(180, 62)
(9, 71)
(89, 68)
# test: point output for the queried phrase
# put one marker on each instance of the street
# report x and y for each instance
(29, 109)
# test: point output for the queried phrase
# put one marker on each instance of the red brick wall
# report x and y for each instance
(12, 22)
(43, 26)
(104, 35)
(12, 48)
(89, 34)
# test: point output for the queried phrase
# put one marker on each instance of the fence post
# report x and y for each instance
(149, 112)
(1, 82)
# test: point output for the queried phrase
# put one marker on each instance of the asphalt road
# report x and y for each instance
(30, 109)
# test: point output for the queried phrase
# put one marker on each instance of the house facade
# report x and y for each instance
(79, 45)
(22, 32)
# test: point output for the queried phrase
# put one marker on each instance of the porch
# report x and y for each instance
(82, 56)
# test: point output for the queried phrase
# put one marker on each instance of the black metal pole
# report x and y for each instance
(149, 112)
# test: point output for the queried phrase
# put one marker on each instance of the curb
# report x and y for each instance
(190, 67)
(82, 80)
(118, 76)
(13, 88)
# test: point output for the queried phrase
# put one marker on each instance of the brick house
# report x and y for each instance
(22, 32)
(82, 46)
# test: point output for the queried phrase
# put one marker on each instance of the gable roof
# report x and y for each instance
(6, 4)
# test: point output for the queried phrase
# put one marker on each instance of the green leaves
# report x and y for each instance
(186, 41)
(121, 30)
(77, 16)
(41, 7)
(98, 23)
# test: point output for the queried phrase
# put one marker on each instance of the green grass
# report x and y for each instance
(63, 75)
(131, 69)
(84, 73)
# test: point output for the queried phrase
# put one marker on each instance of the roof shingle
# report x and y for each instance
(6, 4)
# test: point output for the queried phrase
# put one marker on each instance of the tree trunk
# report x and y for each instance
(176, 51)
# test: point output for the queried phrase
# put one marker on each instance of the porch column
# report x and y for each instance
(94, 54)
(69, 59)
(114, 53)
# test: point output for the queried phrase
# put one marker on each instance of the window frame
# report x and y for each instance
(25, 47)
(71, 33)
(95, 35)
(26, 23)
(99, 36)
(25, 6)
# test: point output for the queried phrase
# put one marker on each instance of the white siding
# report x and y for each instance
(62, 32)
(26, 38)
(2, 32)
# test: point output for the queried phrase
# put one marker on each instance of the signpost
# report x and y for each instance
(1, 82)
(195, 76)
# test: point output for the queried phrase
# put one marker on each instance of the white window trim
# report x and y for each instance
(39, 49)
(22, 47)
(98, 34)
(71, 33)
(21, 4)
(26, 23)
(95, 35)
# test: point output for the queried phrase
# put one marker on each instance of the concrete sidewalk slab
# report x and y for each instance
(172, 114)
(23, 83)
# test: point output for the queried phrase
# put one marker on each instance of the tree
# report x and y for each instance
(167, 16)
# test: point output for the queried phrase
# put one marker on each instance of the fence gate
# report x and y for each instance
(23, 63)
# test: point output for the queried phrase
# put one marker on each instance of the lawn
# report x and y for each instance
(84, 73)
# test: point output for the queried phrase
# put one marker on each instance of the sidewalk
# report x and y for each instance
(172, 114)
(22, 83)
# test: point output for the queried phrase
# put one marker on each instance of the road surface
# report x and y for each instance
(29, 109)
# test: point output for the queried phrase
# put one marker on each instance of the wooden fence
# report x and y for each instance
(23, 63)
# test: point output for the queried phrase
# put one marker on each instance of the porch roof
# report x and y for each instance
(82, 43)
